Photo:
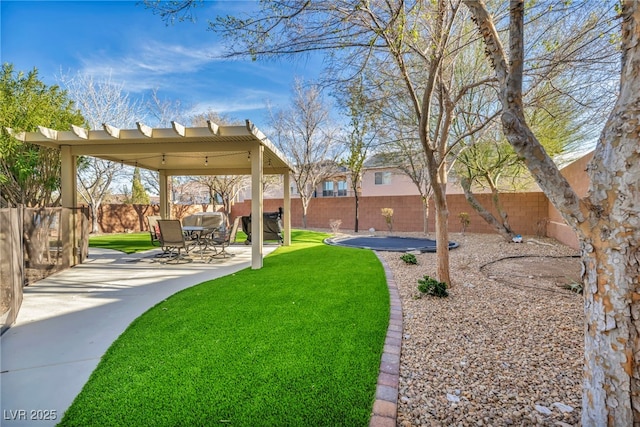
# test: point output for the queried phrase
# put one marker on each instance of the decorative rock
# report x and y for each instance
(562, 407)
(453, 398)
(543, 409)
(506, 348)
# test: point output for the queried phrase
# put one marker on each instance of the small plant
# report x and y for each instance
(574, 287)
(430, 286)
(387, 213)
(464, 221)
(335, 225)
(409, 258)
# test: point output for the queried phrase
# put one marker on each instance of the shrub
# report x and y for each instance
(575, 287)
(335, 225)
(409, 259)
(387, 213)
(464, 221)
(430, 286)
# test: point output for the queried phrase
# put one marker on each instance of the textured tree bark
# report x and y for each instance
(611, 252)
(442, 242)
(607, 220)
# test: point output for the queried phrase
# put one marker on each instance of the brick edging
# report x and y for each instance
(385, 407)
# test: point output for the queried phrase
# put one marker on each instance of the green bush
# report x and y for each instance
(430, 286)
(575, 287)
(409, 258)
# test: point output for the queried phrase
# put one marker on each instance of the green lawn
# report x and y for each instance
(296, 343)
(133, 242)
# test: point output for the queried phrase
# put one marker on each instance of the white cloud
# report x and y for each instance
(150, 64)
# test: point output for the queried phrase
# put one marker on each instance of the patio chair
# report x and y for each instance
(154, 230)
(172, 239)
(223, 238)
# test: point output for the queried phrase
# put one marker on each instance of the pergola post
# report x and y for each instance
(256, 206)
(165, 211)
(68, 184)
(69, 199)
(287, 210)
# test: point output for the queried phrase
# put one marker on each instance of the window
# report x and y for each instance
(383, 178)
(327, 189)
(342, 188)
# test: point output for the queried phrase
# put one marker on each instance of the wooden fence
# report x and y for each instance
(11, 265)
(35, 243)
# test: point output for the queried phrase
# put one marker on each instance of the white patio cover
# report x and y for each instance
(178, 150)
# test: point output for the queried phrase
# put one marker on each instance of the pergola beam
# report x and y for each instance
(159, 147)
(111, 130)
(80, 132)
(145, 130)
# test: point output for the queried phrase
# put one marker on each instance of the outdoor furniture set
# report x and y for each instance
(205, 233)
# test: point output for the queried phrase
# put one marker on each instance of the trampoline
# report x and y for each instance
(388, 243)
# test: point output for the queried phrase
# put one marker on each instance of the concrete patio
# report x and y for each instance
(68, 321)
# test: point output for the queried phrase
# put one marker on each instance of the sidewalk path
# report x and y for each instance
(67, 322)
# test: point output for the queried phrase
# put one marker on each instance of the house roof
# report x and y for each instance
(178, 150)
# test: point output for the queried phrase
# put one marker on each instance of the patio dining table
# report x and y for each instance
(198, 234)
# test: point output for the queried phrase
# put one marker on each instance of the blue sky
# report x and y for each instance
(126, 41)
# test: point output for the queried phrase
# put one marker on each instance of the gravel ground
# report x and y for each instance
(505, 348)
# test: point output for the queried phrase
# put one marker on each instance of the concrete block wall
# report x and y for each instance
(119, 218)
(525, 211)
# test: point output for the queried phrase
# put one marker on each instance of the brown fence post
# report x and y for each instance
(11, 265)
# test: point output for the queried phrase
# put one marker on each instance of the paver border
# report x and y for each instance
(385, 407)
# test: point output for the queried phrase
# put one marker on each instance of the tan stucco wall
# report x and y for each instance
(577, 176)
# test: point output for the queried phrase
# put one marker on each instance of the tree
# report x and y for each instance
(606, 220)
(227, 187)
(101, 101)
(489, 162)
(485, 164)
(305, 134)
(559, 107)
(362, 135)
(139, 195)
(406, 154)
(414, 43)
(30, 174)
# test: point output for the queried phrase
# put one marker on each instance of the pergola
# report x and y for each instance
(178, 150)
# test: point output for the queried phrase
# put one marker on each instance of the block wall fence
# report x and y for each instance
(526, 212)
(529, 213)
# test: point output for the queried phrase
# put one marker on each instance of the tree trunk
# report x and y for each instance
(495, 197)
(442, 240)
(611, 252)
(425, 214)
(94, 217)
(305, 206)
(607, 220)
(357, 212)
(611, 389)
(500, 228)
